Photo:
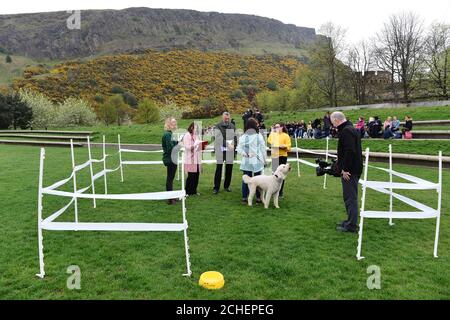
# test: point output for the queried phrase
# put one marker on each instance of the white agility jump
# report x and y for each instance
(50, 224)
(414, 183)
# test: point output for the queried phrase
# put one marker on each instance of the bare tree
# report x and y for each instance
(325, 56)
(360, 60)
(400, 50)
(437, 48)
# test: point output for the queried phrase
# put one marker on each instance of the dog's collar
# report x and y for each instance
(277, 176)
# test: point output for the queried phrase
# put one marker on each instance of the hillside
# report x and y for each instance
(45, 35)
(182, 76)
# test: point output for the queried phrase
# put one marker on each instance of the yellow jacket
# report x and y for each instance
(279, 139)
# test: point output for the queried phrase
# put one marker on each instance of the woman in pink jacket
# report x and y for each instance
(193, 159)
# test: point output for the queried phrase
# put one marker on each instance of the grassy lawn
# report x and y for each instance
(290, 253)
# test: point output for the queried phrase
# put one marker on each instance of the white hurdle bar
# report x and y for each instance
(49, 223)
(425, 212)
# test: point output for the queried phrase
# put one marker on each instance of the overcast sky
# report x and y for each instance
(361, 18)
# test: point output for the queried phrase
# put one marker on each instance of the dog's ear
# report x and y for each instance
(280, 172)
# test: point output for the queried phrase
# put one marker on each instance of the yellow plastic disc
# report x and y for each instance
(212, 280)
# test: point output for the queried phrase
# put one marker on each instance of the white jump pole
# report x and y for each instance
(74, 181)
(41, 273)
(186, 239)
(120, 158)
(438, 219)
(390, 189)
(363, 202)
(326, 160)
(296, 149)
(91, 170)
(104, 166)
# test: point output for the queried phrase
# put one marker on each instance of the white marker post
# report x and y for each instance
(390, 188)
(104, 165)
(91, 170)
(75, 200)
(41, 273)
(326, 160)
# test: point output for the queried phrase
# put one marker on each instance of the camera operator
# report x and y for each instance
(350, 165)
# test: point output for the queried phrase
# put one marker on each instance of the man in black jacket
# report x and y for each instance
(350, 164)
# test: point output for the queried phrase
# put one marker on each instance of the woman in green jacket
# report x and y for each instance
(171, 162)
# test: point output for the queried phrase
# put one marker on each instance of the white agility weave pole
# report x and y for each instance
(41, 273)
(120, 158)
(50, 224)
(91, 170)
(363, 202)
(298, 158)
(414, 183)
(391, 204)
(74, 181)
(104, 166)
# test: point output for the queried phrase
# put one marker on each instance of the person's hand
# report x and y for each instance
(346, 175)
(283, 147)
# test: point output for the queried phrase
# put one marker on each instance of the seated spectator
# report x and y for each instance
(395, 128)
(309, 130)
(360, 126)
(407, 128)
(375, 128)
(387, 133)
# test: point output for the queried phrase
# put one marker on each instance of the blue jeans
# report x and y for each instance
(245, 190)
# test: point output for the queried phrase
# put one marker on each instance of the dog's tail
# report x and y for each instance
(246, 179)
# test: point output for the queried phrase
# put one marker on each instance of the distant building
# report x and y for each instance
(376, 77)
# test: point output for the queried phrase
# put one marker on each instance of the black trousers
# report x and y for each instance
(228, 170)
(350, 195)
(192, 182)
(275, 163)
(171, 170)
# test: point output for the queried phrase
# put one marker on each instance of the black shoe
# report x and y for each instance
(228, 189)
(244, 201)
(215, 191)
(341, 224)
(258, 201)
(345, 229)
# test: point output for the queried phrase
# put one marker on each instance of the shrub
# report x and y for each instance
(114, 110)
(117, 90)
(237, 94)
(171, 109)
(75, 112)
(44, 111)
(272, 85)
(130, 99)
(8, 59)
(147, 112)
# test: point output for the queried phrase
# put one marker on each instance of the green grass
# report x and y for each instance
(290, 253)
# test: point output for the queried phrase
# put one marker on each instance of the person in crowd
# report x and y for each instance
(375, 128)
(309, 130)
(280, 144)
(407, 128)
(225, 141)
(247, 115)
(361, 126)
(396, 128)
(259, 117)
(252, 148)
(170, 156)
(350, 163)
(326, 125)
(387, 127)
(300, 130)
(192, 159)
(317, 129)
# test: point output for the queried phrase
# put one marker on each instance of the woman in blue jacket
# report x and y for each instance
(252, 148)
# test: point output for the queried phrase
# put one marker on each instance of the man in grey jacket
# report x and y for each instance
(225, 141)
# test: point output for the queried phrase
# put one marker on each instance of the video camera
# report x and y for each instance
(327, 168)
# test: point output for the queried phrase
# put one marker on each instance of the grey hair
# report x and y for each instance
(337, 115)
(226, 113)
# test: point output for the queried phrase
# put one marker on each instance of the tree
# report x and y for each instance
(75, 112)
(400, 50)
(324, 59)
(114, 110)
(8, 59)
(14, 112)
(44, 111)
(272, 85)
(360, 60)
(437, 48)
(130, 99)
(147, 112)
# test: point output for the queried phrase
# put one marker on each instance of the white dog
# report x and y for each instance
(268, 185)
